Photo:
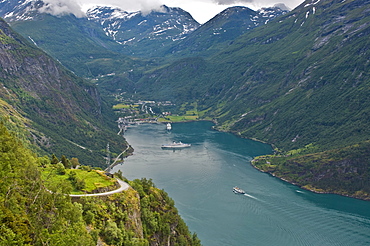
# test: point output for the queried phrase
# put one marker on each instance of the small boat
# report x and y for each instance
(175, 145)
(168, 126)
(237, 190)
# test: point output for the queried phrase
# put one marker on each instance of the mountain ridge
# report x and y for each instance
(135, 33)
(224, 27)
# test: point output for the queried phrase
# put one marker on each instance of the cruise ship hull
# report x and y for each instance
(175, 145)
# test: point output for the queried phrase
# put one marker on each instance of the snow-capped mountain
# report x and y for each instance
(167, 24)
(158, 33)
(225, 27)
(18, 10)
(137, 33)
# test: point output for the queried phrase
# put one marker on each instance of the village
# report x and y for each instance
(132, 112)
(139, 112)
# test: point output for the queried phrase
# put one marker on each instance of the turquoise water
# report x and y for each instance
(272, 212)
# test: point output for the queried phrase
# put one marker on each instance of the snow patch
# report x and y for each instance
(313, 3)
(142, 22)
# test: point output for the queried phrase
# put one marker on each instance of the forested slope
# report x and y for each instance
(32, 215)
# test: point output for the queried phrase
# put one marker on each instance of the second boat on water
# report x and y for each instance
(237, 190)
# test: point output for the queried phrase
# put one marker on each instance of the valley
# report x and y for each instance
(298, 80)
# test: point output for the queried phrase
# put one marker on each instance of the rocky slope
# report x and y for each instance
(66, 111)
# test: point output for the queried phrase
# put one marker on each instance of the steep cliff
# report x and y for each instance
(66, 110)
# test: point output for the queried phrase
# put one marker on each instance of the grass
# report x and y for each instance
(93, 179)
(179, 118)
(122, 106)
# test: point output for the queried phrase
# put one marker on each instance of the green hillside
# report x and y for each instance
(32, 215)
(306, 82)
(301, 79)
(294, 76)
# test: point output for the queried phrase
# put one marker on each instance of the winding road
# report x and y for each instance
(124, 186)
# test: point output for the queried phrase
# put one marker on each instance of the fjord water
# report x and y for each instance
(272, 212)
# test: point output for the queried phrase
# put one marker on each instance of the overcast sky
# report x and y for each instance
(201, 10)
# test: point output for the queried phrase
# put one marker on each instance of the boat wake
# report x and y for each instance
(245, 194)
(237, 190)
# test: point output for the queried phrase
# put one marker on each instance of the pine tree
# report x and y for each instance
(54, 159)
(66, 163)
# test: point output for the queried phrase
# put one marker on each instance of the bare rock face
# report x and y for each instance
(25, 69)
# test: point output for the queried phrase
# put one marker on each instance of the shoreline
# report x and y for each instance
(307, 189)
(317, 191)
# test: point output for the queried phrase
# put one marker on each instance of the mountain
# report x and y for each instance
(222, 29)
(64, 113)
(144, 34)
(297, 61)
(299, 82)
(94, 52)
(135, 33)
(53, 34)
(105, 37)
(14, 10)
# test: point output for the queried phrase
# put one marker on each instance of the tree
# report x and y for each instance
(54, 159)
(43, 161)
(75, 163)
(60, 169)
(66, 163)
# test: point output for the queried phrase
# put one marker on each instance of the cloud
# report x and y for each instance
(202, 10)
(229, 2)
(146, 6)
(62, 7)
